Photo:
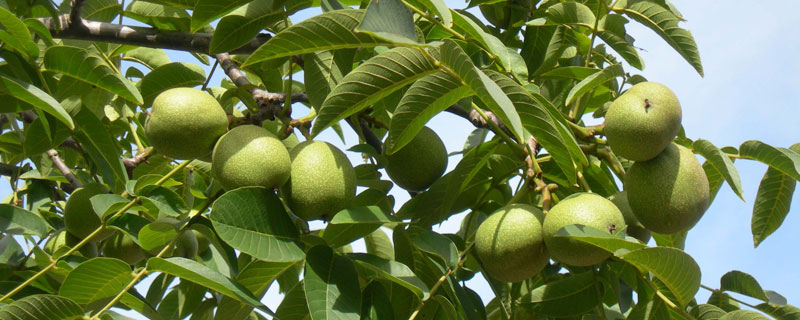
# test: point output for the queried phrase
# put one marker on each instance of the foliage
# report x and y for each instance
(71, 116)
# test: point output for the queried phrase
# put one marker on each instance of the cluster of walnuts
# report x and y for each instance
(665, 191)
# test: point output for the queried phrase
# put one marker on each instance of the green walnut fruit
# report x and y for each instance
(510, 243)
(669, 193)
(186, 246)
(642, 122)
(322, 181)
(79, 217)
(63, 241)
(418, 164)
(203, 244)
(635, 228)
(586, 209)
(185, 123)
(250, 156)
(124, 248)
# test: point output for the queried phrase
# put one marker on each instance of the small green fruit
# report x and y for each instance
(250, 156)
(418, 164)
(669, 193)
(185, 123)
(322, 181)
(63, 240)
(79, 217)
(635, 228)
(642, 122)
(123, 248)
(203, 244)
(186, 246)
(510, 243)
(586, 209)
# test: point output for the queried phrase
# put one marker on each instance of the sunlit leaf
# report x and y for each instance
(722, 162)
(96, 279)
(15, 220)
(34, 96)
(331, 285)
(42, 307)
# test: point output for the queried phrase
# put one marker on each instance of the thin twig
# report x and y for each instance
(61, 166)
(12, 170)
(461, 258)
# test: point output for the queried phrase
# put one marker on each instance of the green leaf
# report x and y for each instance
(323, 71)
(41, 307)
(570, 72)
(351, 224)
(780, 312)
(676, 269)
(492, 44)
(373, 80)
(193, 271)
(439, 7)
(540, 122)
(665, 23)
(15, 220)
(294, 305)
(91, 69)
(569, 296)
(149, 57)
(743, 315)
(101, 10)
(372, 267)
(328, 31)
(96, 279)
(171, 75)
(439, 246)
(574, 13)
(206, 11)
(784, 160)
(611, 29)
(163, 17)
(707, 312)
(594, 81)
(156, 235)
(102, 148)
(654, 309)
(241, 26)
(167, 201)
(740, 282)
(721, 162)
(15, 35)
(603, 240)
(34, 96)
(772, 204)
(378, 244)
(390, 20)
(675, 240)
(454, 57)
(257, 277)
(253, 220)
(426, 98)
(331, 285)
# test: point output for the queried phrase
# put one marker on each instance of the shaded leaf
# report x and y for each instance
(205, 11)
(371, 81)
(294, 304)
(149, 57)
(571, 13)
(253, 220)
(372, 267)
(743, 315)
(780, 312)
(740, 282)
(390, 20)
(242, 25)
(721, 162)
(193, 271)
(772, 204)
(15, 35)
(102, 148)
(171, 75)
(611, 29)
(379, 245)
(707, 312)
(331, 285)
(454, 57)
(257, 277)
(15, 220)
(426, 98)
(492, 44)
(572, 295)
(163, 17)
(438, 245)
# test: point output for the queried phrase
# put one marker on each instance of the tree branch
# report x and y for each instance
(11, 170)
(53, 154)
(66, 28)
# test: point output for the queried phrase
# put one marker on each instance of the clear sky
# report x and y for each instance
(750, 91)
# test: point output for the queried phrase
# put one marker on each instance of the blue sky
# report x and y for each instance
(750, 91)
